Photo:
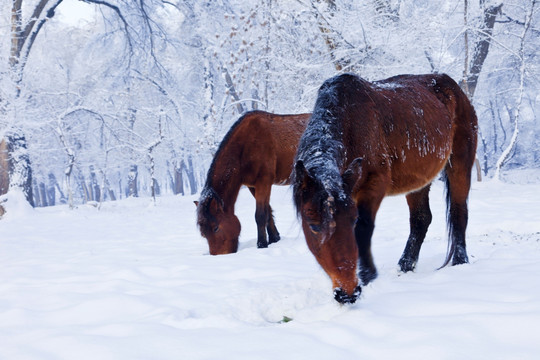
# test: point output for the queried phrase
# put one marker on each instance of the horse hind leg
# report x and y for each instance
(458, 182)
(273, 233)
(458, 176)
(419, 220)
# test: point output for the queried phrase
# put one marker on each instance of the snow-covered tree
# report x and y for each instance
(135, 98)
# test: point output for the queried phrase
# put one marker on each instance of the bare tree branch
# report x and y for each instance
(116, 9)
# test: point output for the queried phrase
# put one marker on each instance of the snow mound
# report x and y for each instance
(15, 205)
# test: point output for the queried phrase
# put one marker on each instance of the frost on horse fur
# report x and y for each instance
(366, 141)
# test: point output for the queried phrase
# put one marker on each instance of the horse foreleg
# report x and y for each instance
(363, 229)
(458, 184)
(419, 219)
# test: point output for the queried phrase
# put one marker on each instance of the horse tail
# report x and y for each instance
(451, 249)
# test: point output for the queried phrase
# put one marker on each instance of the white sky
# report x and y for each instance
(73, 11)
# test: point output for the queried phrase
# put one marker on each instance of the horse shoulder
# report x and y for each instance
(256, 148)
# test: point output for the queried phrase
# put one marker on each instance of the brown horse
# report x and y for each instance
(368, 140)
(258, 151)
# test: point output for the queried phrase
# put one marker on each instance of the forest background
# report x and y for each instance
(105, 99)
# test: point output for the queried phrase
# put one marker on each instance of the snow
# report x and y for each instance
(134, 281)
(388, 85)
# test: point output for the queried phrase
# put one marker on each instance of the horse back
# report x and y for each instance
(431, 119)
(269, 143)
(404, 128)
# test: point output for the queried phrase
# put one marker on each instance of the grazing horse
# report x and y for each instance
(366, 141)
(258, 151)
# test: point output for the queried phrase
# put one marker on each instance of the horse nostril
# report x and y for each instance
(343, 298)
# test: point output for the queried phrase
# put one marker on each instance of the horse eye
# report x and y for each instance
(315, 228)
(216, 229)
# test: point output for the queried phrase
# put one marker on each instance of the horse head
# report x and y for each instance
(217, 224)
(328, 216)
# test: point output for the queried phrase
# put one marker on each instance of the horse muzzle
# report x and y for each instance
(343, 298)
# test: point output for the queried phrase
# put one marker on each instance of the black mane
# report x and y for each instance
(321, 148)
(223, 143)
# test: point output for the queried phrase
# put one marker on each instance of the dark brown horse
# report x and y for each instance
(258, 151)
(368, 140)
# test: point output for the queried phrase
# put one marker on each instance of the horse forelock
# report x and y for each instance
(204, 215)
(325, 188)
(326, 203)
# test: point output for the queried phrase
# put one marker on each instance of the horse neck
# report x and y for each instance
(225, 181)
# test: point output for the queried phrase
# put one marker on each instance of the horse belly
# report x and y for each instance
(414, 168)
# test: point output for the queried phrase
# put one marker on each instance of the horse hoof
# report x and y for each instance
(262, 245)
(367, 275)
(458, 260)
(406, 265)
(272, 239)
(460, 257)
(343, 298)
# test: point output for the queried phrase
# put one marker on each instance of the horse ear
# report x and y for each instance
(302, 175)
(300, 169)
(353, 172)
(196, 203)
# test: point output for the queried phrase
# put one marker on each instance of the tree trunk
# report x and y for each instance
(120, 192)
(43, 195)
(177, 179)
(84, 189)
(4, 167)
(231, 90)
(22, 37)
(19, 169)
(481, 50)
(470, 75)
(112, 196)
(153, 181)
(37, 199)
(95, 191)
(191, 176)
(328, 36)
(106, 188)
(132, 182)
(51, 190)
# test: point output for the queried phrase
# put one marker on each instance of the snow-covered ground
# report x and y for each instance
(134, 281)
